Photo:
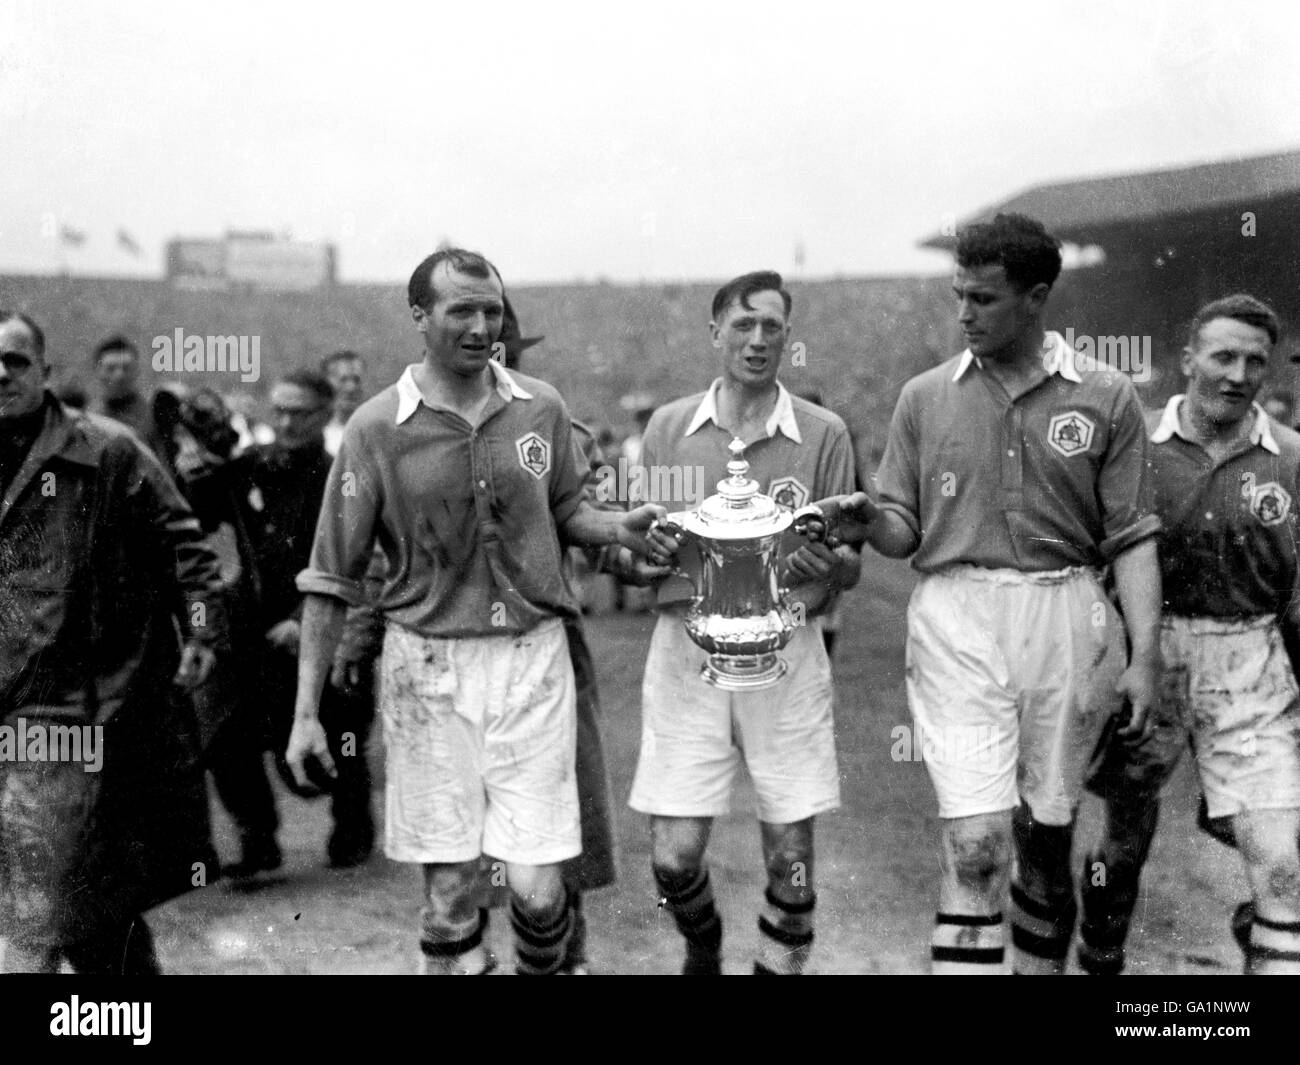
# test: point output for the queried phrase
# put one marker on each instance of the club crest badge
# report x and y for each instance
(534, 454)
(1070, 433)
(789, 493)
(1270, 503)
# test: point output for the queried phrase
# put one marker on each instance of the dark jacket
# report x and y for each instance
(102, 566)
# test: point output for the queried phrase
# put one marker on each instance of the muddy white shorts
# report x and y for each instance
(479, 733)
(1011, 680)
(694, 737)
(1229, 688)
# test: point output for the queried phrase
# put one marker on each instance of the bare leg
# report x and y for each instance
(974, 863)
(786, 922)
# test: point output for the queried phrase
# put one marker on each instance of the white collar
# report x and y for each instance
(782, 416)
(1058, 357)
(1260, 433)
(409, 396)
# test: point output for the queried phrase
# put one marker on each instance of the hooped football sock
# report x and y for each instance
(786, 935)
(1274, 948)
(540, 939)
(967, 944)
(1107, 913)
(688, 896)
(454, 948)
(1041, 930)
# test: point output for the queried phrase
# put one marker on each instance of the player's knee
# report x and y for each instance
(452, 892)
(674, 880)
(789, 868)
(1282, 881)
(676, 851)
(980, 861)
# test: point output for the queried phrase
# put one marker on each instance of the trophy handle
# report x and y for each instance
(813, 524)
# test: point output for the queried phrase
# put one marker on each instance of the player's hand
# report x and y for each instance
(1140, 684)
(307, 741)
(810, 562)
(284, 636)
(848, 516)
(632, 569)
(637, 535)
(197, 660)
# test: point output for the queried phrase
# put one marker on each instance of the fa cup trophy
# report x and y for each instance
(739, 614)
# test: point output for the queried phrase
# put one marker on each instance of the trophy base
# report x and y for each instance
(743, 673)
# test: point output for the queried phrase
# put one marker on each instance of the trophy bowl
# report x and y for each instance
(739, 614)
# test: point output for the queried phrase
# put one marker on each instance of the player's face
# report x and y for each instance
(117, 372)
(995, 316)
(1225, 369)
(345, 377)
(22, 371)
(464, 321)
(752, 339)
(300, 416)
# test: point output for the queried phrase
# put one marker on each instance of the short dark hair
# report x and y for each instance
(343, 355)
(1021, 245)
(313, 381)
(746, 285)
(419, 290)
(1241, 307)
(117, 342)
(38, 334)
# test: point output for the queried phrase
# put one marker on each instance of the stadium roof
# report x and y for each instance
(1080, 211)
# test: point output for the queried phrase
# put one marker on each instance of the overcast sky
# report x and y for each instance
(573, 141)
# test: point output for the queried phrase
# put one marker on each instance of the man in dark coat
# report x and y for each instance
(101, 562)
(272, 494)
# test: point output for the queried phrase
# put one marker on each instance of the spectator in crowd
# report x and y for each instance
(117, 371)
(346, 371)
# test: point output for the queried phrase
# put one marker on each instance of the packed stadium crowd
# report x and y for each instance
(189, 590)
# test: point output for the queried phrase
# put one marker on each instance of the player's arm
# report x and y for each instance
(578, 522)
(887, 521)
(1137, 580)
(859, 519)
(341, 555)
(816, 573)
(631, 529)
(1131, 525)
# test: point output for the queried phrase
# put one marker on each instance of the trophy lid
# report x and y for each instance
(739, 511)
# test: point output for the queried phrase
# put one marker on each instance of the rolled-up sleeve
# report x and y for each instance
(345, 530)
(1124, 481)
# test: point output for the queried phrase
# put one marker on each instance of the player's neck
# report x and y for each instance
(1214, 436)
(1020, 359)
(460, 393)
(743, 410)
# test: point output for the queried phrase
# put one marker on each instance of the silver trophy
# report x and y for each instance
(739, 614)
